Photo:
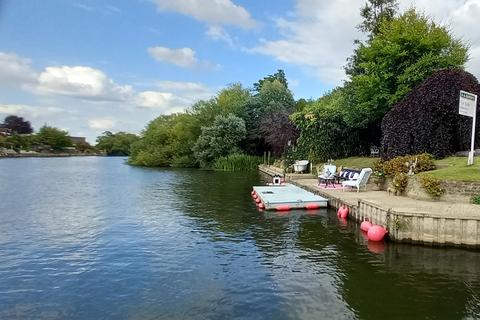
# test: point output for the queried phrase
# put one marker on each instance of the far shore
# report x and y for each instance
(50, 155)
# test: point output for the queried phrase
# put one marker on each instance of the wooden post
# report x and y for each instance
(264, 157)
(268, 159)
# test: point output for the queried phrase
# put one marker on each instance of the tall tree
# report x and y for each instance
(279, 75)
(374, 12)
(18, 125)
(117, 144)
(57, 139)
(407, 50)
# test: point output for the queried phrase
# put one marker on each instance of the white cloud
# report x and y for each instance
(220, 34)
(15, 70)
(188, 90)
(319, 36)
(101, 124)
(213, 12)
(183, 57)
(28, 112)
(81, 82)
(166, 101)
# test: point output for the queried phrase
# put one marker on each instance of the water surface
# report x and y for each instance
(93, 238)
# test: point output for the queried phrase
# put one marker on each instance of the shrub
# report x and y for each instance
(476, 199)
(432, 186)
(427, 119)
(237, 162)
(220, 139)
(400, 182)
(397, 165)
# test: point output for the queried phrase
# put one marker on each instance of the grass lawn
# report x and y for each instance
(452, 168)
(455, 168)
(356, 162)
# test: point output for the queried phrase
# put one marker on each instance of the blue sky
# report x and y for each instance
(88, 66)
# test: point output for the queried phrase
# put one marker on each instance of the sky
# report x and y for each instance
(88, 66)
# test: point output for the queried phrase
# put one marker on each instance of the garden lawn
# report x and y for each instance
(451, 168)
(455, 168)
(356, 162)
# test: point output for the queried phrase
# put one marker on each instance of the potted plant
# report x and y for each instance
(378, 178)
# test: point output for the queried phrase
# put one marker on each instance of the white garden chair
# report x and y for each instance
(360, 182)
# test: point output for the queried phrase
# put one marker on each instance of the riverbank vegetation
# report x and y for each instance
(405, 59)
(116, 144)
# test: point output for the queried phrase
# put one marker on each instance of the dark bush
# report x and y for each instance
(427, 119)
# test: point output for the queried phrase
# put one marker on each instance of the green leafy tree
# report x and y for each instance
(221, 139)
(20, 142)
(324, 133)
(405, 51)
(273, 97)
(55, 138)
(116, 144)
(279, 75)
(167, 141)
(374, 12)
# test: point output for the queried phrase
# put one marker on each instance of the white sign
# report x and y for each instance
(468, 104)
(468, 107)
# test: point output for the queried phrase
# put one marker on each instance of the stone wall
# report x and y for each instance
(455, 191)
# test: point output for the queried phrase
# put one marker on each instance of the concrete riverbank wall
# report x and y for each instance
(439, 223)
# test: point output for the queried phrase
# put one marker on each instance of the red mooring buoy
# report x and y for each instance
(365, 225)
(342, 212)
(376, 233)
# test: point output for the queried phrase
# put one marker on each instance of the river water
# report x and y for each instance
(94, 238)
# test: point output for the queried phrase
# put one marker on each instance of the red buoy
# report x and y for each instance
(342, 212)
(261, 205)
(376, 233)
(255, 196)
(312, 206)
(253, 192)
(257, 200)
(365, 226)
(284, 207)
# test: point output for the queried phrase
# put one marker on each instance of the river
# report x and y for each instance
(94, 238)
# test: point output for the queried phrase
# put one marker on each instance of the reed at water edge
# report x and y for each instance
(237, 162)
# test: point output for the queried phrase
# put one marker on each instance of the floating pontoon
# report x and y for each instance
(287, 197)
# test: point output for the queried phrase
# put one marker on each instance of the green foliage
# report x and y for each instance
(476, 199)
(279, 76)
(116, 144)
(55, 138)
(432, 186)
(425, 162)
(273, 97)
(221, 139)
(237, 162)
(405, 51)
(167, 141)
(20, 142)
(374, 12)
(324, 133)
(400, 182)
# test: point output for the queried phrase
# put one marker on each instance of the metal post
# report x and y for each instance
(471, 154)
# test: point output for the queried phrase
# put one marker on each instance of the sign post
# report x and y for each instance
(468, 107)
